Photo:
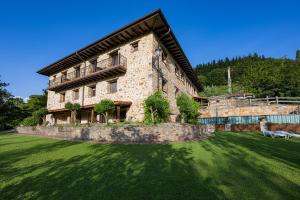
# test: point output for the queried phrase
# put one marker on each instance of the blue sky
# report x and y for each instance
(36, 33)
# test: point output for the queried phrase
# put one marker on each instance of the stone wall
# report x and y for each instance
(162, 133)
(139, 81)
(135, 85)
(248, 110)
(176, 80)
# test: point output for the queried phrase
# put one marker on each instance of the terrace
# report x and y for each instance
(112, 66)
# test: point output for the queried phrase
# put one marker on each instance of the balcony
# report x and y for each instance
(113, 66)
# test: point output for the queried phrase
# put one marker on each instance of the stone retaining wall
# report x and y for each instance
(215, 111)
(162, 133)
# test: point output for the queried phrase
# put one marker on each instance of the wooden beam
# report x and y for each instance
(127, 32)
(123, 37)
(135, 33)
(146, 25)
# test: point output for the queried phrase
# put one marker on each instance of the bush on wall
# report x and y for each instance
(29, 121)
(38, 117)
(156, 108)
(188, 108)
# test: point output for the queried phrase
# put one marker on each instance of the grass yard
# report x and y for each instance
(226, 166)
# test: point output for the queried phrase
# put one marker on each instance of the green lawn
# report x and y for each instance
(226, 166)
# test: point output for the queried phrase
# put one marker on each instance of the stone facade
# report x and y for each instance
(139, 81)
(172, 79)
(162, 133)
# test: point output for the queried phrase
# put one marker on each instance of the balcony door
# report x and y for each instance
(77, 72)
(114, 58)
(93, 65)
(64, 76)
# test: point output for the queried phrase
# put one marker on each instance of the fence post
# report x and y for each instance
(267, 100)
(250, 102)
(277, 100)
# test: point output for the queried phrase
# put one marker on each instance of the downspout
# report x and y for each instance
(82, 99)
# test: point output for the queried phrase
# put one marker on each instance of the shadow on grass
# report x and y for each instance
(255, 166)
(109, 172)
(103, 171)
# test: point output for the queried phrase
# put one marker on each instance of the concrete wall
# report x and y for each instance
(162, 133)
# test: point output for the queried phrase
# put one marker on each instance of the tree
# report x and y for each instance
(11, 109)
(298, 56)
(35, 102)
(105, 107)
(40, 115)
(156, 108)
(253, 73)
(188, 108)
(74, 108)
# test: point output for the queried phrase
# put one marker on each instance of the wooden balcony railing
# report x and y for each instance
(88, 71)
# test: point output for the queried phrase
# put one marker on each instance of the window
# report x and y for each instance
(76, 94)
(92, 90)
(62, 97)
(164, 85)
(112, 86)
(164, 55)
(135, 46)
(177, 73)
(176, 91)
(182, 76)
(77, 71)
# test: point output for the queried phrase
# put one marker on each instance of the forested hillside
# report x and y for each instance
(253, 73)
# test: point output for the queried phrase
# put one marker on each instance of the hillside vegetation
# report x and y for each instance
(253, 73)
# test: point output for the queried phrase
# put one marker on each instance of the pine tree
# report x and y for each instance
(298, 56)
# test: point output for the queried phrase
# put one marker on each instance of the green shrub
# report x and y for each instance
(40, 115)
(105, 107)
(156, 108)
(29, 121)
(188, 108)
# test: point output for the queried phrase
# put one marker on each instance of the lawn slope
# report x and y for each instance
(226, 166)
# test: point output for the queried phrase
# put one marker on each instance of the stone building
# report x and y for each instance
(125, 66)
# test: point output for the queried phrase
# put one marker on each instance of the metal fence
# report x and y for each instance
(278, 119)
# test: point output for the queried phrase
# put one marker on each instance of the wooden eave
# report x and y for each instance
(153, 22)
